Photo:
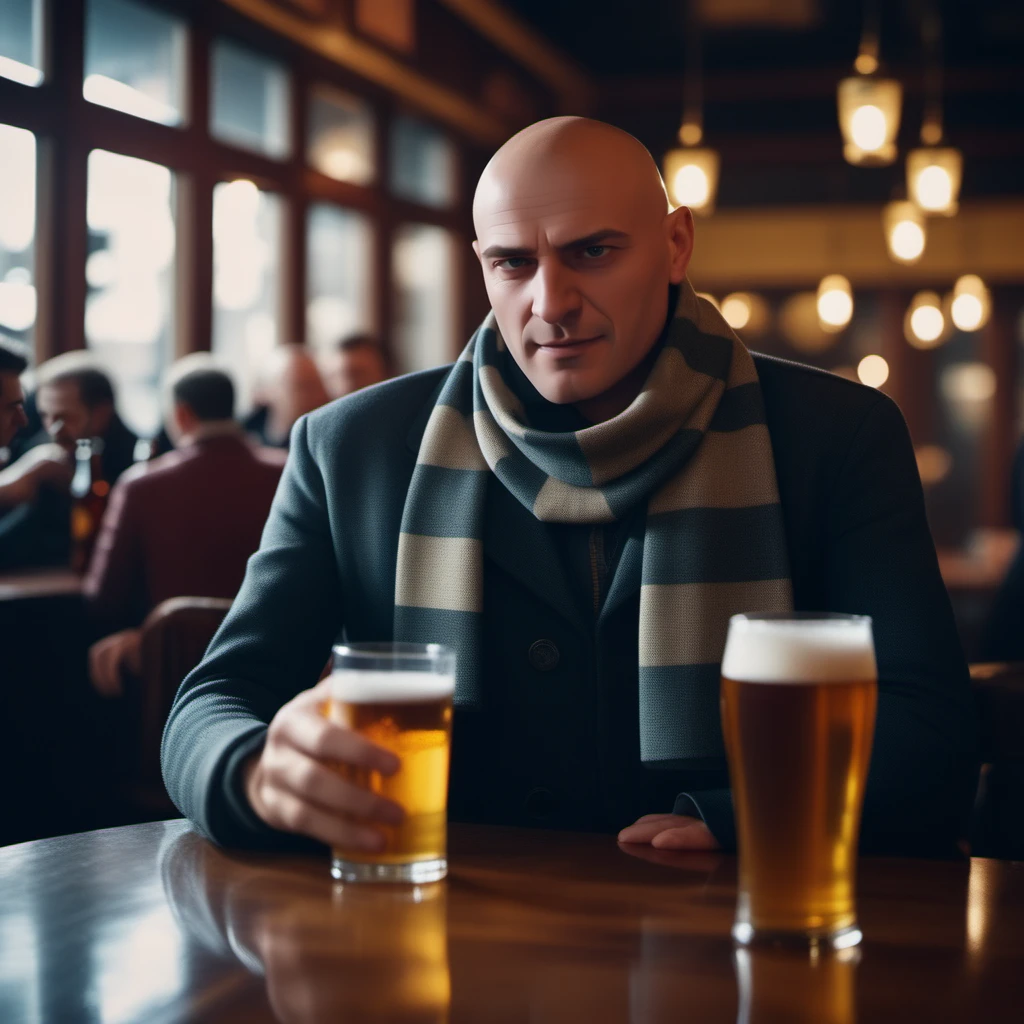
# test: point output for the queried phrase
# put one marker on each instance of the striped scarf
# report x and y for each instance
(694, 445)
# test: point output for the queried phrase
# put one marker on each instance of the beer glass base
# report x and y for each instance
(744, 934)
(416, 872)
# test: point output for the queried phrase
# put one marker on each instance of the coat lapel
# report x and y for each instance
(522, 546)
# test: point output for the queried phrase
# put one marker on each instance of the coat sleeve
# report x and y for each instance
(880, 561)
(273, 644)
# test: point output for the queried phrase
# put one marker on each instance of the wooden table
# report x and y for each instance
(152, 923)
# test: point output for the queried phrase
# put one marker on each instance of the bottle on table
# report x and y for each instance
(89, 492)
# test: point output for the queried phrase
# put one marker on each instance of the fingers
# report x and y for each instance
(693, 836)
(323, 787)
(644, 829)
(294, 784)
(327, 741)
(293, 814)
(670, 832)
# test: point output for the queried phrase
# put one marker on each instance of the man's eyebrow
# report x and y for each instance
(604, 235)
(595, 238)
(506, 253)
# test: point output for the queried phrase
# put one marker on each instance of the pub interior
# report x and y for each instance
(219, 216)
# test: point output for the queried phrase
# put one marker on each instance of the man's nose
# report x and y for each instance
(555, 295)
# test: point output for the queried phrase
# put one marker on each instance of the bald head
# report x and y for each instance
(578, 246)
(292, 387)
(570, 156)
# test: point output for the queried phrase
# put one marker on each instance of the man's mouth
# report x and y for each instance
(568, 346)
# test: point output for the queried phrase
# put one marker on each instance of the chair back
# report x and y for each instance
(998, 827)
(175, 636)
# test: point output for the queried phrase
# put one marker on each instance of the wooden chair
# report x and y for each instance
(998, 826)
(175, 636)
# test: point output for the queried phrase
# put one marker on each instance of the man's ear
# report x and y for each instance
(476, 249)
(680, 241)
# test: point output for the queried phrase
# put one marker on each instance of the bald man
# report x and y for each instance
(291, 386)
(576, 506)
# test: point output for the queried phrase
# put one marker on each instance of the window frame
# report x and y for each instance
(68, 127)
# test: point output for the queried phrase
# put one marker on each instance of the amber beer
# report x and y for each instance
(798, 714)
(408, 710)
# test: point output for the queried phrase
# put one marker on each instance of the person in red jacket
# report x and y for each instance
(183, 524)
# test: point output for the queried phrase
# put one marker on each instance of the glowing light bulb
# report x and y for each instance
(967, 312)
(971, 303)
(690, 186)
(934, 188)
(927, 323)
(907, 240)
(835, 302)
(868, 127)
(873, 371)
(736, 311)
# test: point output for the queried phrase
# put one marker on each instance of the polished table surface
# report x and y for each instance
(152, 923)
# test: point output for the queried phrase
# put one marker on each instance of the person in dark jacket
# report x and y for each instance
(577, 505)
(75, 400)
(183, 524)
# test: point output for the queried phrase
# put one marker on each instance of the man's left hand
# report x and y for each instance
(670, 832)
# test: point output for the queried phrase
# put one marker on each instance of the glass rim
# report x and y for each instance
(391, 649)
(832, 617)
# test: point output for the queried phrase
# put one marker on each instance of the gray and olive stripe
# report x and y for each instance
(694, 445)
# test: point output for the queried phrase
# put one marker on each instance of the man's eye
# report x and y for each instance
(594, 252)
(512, 263)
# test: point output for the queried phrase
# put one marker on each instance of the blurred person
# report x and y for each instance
(19, 482)
(355, 362)
(182, 524)
(290, 386)
(75, 399)
(576, 506)
(13, 363)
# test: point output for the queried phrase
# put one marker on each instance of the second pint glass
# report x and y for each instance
(798, 714)
(399, 696)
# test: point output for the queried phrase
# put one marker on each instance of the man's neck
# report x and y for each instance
(620, 396)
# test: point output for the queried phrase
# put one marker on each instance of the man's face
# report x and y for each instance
(577, 272)
(65, 416)
(12, 408)
(352, 369)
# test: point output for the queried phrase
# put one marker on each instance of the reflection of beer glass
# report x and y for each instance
(798, 713)
(399, 696)
(397, 937)
(778, 984)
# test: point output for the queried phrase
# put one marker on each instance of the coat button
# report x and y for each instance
(543, 655)
(540, 802)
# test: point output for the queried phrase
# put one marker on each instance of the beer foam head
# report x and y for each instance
(825, 650)
(365, 686)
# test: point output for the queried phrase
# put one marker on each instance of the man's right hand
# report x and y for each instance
(45, 463)
(292, 783)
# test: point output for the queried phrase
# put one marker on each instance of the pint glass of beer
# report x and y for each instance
(798, 714)
(399, 696)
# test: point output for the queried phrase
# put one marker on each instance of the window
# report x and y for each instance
(134, 60)
(424, 328)
(339, 274)
(129, 275)
(246, 280)
(21, 42)
(422, 163)
(340, 136)
(17, 232)
(250, 101)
